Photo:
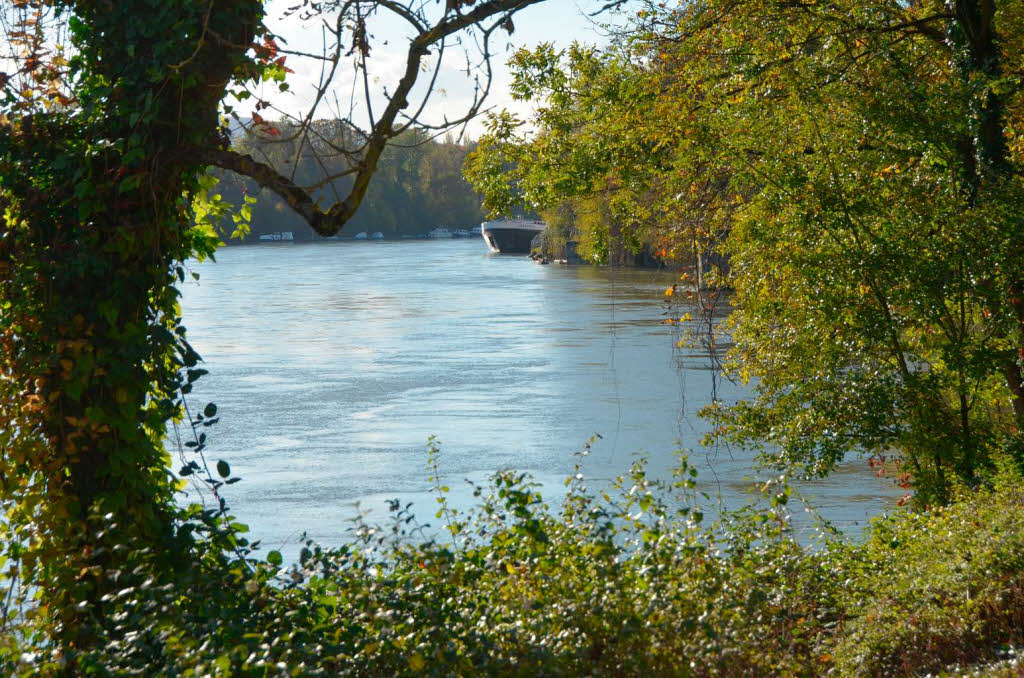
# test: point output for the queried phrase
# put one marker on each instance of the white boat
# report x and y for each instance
(279, 236)
(439, 233)
(477, 231)
(360, 236)
(376, 235)
(511, 236)
(462, 233)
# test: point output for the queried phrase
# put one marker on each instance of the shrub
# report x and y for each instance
(628, 581)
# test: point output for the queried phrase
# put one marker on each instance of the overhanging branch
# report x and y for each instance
(329, 222)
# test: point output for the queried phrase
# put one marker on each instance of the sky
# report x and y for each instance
(556, 21)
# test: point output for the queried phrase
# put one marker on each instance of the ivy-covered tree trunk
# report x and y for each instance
(103, 156)
(94, 237)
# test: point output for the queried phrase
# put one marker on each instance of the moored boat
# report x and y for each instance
(279, 236)
(511, 236)
(439, 233)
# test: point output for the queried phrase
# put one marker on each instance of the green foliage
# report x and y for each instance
(584, 154)
(875, 262)
(852, 174)
(627, 580)
(939, 588)
(561, 229)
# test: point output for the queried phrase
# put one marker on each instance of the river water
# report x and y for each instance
(332, 363)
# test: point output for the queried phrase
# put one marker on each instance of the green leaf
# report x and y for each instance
(223, 663)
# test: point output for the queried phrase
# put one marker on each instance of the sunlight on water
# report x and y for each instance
(332, 363)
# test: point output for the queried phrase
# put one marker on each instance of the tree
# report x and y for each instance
(111, 114)
(876, 266)
(861, 166)
(583, 150)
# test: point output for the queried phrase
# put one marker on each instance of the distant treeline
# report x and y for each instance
(418, 184)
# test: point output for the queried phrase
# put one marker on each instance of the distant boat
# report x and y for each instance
(511, 236)
(376, 235)
(477, 232)
(439, 233)
(279, 236)
(462, 233)
(360, 236)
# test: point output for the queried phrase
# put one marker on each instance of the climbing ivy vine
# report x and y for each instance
(111, 115)
(96, 188)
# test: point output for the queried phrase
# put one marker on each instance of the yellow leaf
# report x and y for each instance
(670, 291)
(417, 663)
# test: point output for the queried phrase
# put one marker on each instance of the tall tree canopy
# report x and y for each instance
(860, 165)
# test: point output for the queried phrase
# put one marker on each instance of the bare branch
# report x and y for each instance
(329, 222)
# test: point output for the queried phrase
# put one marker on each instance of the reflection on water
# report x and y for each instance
(332, 363)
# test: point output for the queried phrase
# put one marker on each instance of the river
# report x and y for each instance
(332, 363)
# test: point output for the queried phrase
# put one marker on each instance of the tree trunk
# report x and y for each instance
(89, 272)
(986, 155)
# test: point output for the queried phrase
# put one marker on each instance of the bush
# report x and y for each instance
(937, 588)
(624, 582)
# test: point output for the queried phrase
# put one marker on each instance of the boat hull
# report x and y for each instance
(509, 239)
